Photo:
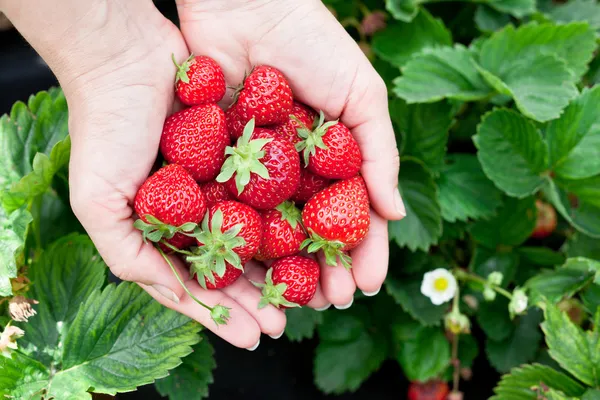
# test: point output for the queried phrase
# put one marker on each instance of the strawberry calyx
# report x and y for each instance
(290, 213)
(217, 250)
(237, 89)
(273, 294)
(332, 249)
(155, 230)
(182, 69)
(312, 139)
(244, 159)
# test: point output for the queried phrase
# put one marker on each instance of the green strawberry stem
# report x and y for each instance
(219, 314)
(155, 230)
(290, 213)
(182, 69)
(217, 250)
(313, 139)
(273, 294)
(175, 249)
(331, 249)
(244, 159)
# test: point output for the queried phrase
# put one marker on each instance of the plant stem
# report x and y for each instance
(456, 362)
(175, 249)
(460, 274)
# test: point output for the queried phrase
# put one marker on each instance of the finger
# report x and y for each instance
(270, 319)
(241, 329)
(370, 258)
(337, 284)
(319, 302)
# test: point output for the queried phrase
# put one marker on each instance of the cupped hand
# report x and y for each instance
(328, 71)
(119, 93)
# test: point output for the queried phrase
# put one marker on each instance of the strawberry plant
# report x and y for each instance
(494, 105)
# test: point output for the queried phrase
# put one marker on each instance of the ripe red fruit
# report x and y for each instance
(432, 390)
(290, 282)
(235, 126)
(169, 202)
(199, 80)
(215, 192)
(300, 117)
(262, 170)
(282, 232)
(265, 96)
(196, 139)
(546, 220)
(231, 275)
(337, 219)
(330, 150)
(309, 185)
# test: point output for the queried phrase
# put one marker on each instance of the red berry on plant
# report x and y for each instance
(309, 185)
(196, 139)
(168, 203)
(301, 116)
(231, 275)
(432, 390)
(235, 126)
(215, 192)
(282, 232)
(199, 80)
(546, 220)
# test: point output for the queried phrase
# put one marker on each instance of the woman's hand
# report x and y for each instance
(327, 71)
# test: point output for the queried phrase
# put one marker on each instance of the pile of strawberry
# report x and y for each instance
(267, 179)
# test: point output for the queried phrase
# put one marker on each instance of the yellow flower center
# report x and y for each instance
(440, 284)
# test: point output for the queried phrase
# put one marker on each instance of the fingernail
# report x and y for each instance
(399, 203)
(345, 306)
(254, 347)
(325, 307)
(277, 336)
(166, 292)
(371, 294)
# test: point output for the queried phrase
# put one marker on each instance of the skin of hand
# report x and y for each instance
(112, 59)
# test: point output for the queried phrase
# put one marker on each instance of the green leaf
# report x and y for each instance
(486, 261)
(441, 73)
(542, 256)
(53, 218)
(557, 284)
(591, 298)
(494, 319)
(577, 11)
(407, 292)
(520, 347)
(464, 190)
(582, 216)
(512, 152)
(511, 226)
(586, 190)
(591, 394)
(13, 230)
(422, 226)
(425, 356)
(22, 377)
(424, 129)
(191, 379)
(468, 350)
(34, 146)
(348, 351)
(65, 275)
(574, 139)
(423, 32)
(576, 352)
(585, 265)
(517, 385)
(302, 323)
(516, 8)
(403, 10)
(488, 19)
(580, 245)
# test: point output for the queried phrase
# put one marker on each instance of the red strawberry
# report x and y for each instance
(235, 126)
(261, 170)
(337, 219)
(330, 150)
(215, 192)
(309, 185)
(265, 96)
(231, 275)
(290, 282)
(300, 117)
(230, 236)
(432, 390)
(169, 202)
(282, 232)
(546, 220)
(199, 80)
(196, 138)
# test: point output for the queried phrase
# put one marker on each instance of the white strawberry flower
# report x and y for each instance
(8, 340)
(439, 285)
